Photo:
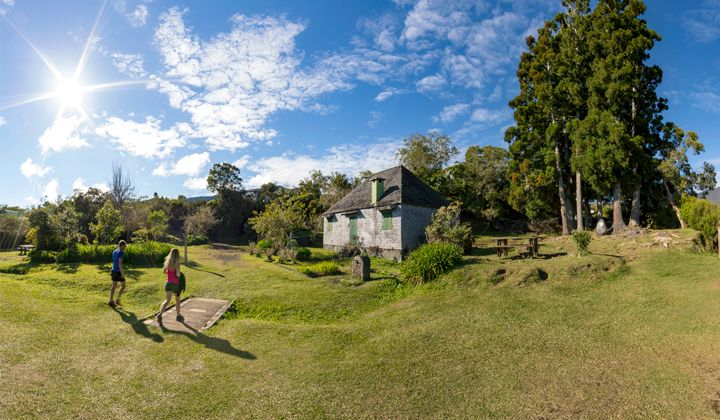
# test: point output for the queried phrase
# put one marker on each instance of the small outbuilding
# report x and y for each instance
(386, 214)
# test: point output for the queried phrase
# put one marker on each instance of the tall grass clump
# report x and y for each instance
(324, 268)
(703, 216)
(582, 240)
(430, 261)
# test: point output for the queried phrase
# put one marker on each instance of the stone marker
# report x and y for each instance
(601, 229)
(361, 267)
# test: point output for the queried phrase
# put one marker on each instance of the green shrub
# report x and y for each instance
(264, 244)
(445, 227)
(325, 268)
(582, 240)
(138, 254)
(303, 254)
(703, 216)
(197, 239)
(430, 261)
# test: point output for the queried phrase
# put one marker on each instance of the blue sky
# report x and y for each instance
(167, 88)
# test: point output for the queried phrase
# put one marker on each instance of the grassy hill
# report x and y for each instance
(629, 331)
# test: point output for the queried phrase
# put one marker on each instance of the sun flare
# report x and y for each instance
(69, 92)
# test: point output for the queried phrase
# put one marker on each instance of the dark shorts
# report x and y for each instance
(115, 276)
(172, 287)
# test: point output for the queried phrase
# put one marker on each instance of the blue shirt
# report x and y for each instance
(117, 254)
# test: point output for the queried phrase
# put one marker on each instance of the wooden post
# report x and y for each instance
(185, 244)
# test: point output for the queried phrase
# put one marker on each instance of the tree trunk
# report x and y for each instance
(579, 201)
(635, 210)
(586, 214)
(564, 216)
(674, 206)
(618, 222)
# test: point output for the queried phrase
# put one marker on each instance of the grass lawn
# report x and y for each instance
(630, 331)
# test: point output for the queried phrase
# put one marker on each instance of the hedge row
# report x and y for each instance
(143, 254)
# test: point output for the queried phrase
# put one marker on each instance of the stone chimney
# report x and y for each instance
(377, 188)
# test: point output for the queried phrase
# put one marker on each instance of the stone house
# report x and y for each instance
(386, 214)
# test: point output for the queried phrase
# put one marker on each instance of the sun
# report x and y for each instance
(69, 92)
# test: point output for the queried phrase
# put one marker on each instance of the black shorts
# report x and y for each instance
(116, 276)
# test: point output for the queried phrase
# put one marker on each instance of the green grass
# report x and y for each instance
(630, 333)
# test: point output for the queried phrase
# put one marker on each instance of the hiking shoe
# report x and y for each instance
(180, 318)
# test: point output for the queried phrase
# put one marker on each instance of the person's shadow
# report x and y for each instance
(214, 343)
(137, 325)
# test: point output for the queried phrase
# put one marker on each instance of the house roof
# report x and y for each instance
(401, 187)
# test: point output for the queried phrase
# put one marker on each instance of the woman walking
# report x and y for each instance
(172, 286)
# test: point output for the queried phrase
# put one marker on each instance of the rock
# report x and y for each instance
(601, 228)
(361, 267)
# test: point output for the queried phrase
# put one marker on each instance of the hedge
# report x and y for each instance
(137, 254)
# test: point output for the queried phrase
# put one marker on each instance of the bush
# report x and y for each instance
(430, 261)
(197, 239)
(703, 216)
(445, 227)
(325, 268)
(303, 254)
(137, 254)
(582, 240)
(264, 245)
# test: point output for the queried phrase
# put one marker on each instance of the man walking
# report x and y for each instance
(117, 275)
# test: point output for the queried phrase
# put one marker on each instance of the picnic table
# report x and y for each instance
(24, 249)
(530, 243)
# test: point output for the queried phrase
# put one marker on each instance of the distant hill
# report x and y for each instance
(199, 199)
(714, 195)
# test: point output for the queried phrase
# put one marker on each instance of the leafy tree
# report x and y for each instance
(277, 223)
(224, 177)
(66, 223)
(338, 186)
(87, 205)
(41, 229)
(678, 175)
(486, 173)
(426, 155)
(158, 224)
(446, 227)
(109, 224)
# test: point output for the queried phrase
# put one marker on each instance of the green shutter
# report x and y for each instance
(330, 223)
(387, 220)
(353, 229)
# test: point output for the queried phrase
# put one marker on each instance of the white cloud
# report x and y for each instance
(138, 17)
(31, 201)
(703, 23)
(195, 183)
(3, 121)
(707, 101)
(5, 6)
(382, 30)
(484, 115)
(30, 169)
(79, 185)
(146, 139)
(129, 64)
(231, 84)
(289, 169)
(431, 83)
(388, 93)
(242, 162)
(189, 165)
(376, 117)
(50, 192)
(451, 112)
(64, 134)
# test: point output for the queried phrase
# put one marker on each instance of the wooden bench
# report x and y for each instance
(529, 243)
(24, 249)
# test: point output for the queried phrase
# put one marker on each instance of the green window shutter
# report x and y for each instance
(329, 224)
(387, 220)
(353, 229)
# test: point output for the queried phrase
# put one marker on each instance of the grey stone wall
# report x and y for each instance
(415, 219)
(407, 233)
(369, 230)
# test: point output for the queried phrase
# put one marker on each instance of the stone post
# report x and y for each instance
(361, 267)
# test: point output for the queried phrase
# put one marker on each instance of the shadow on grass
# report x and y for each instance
(129, 272)
(213, 343)
(70, 268)
(196, 266)
(138, 326)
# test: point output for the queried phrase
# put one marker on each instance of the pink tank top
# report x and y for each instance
(172, 277)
